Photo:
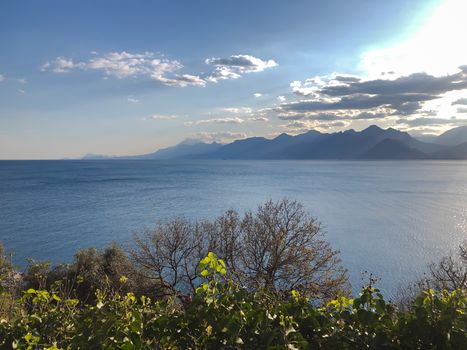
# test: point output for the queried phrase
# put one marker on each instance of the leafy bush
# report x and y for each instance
(222, 314)
(91, 270)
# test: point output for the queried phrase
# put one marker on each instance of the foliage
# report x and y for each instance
(449, 274)
(222, 314)
(91, 270)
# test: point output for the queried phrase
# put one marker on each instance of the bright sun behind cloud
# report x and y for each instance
(437, 48)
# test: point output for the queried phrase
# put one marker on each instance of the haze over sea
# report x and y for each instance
(391, 218)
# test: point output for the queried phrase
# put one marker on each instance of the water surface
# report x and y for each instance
(391, 218)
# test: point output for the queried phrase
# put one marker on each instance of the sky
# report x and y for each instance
(130, 77)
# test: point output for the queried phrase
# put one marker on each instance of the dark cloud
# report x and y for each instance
(369, 115)
(238, 61)
(335, 100)
(431, 121)
(461, 101)
(402, 96)
(358, 102)
(407, 108)
(347, 79)
(332, 116)
(316, 116)
(417, 83)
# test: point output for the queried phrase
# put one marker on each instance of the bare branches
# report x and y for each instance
(170, 254)
(451, 272)
(279, 247)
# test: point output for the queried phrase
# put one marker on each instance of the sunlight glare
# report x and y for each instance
(437, 48)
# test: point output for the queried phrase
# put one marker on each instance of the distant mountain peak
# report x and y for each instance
(453, 137)
(283, 136)
(372, 129)
(313, 132)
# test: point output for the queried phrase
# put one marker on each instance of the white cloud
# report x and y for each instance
(157, 67)
(257, 94)
(22, 81)
(181, 80)
(427, 121)
(132, 99)
(21, 91)
(235, 66)
(259, 119)
(2, 77)
(300, 126)
(228, 120)
(238, 110)
(162, 117)
(220, 137)
(124, 64)
(59, 65)
(281, 98)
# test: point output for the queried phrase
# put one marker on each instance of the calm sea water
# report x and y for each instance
(388, 218)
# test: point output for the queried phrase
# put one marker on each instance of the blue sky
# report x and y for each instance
(129, 77)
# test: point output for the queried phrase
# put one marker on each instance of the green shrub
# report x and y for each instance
(222, 314)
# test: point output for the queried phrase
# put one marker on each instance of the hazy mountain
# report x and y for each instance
(453, 137)
(91, 156)
(262, 148)
(371, 143)
(187, 148)
(349, 144)
(426, 138)
(239, 149)
(455, 152)
(393, 149)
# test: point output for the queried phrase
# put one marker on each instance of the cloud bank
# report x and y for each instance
(404, 100)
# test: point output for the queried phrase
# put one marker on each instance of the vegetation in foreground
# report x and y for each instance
(241, 293)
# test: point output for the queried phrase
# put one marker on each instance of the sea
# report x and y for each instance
(390, 219)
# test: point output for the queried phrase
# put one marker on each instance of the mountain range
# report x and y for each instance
(370, 143)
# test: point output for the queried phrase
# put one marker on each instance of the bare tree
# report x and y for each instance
(225, 237)
(279, 247)
(451, 272)
(284, 248)
(170, 254)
